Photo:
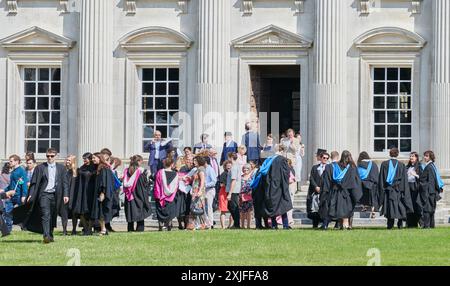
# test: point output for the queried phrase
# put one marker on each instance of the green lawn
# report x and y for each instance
(217, 247)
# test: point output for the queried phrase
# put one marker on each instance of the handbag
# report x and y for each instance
(197, 207)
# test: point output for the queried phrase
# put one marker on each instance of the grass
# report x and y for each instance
(235, 248)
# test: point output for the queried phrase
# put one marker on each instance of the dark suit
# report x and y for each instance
(315, 180)
(45, 205)
(163, 150)
(232, 148)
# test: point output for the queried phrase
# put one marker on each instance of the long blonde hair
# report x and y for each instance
(73, 164)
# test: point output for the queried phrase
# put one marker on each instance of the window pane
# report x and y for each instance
(378, 102)
(392, 144)
(174, 117)
(161, 74)
(379, 74)
(147, 103)
(405, 145)
(160, 103)
(148, 132)
(56, 74)
(380, 131)
(163, 130)
(393, 131)
(30, 103)
(56, 89)
(44, 74)
(405, 88)
(392, 73)
(43, 103)
(147, 74)
(30, 88)
(405, 74)
(44, 117)
(379, 145)
(405, 102)
(56, 103)
(55, 132)
(30, 132)
(161, 89)
(174, 74)
(30, 117)
(379, 88)
(405, 131)
(392, 116)
(161, 117)
(43, 145)
(30, 74)
(56, 118)
(43, 132)
(30, 146)
(173, 103)
(55, 144)
(174, 89)
(43, 89)
(405, 117)
(149, 117)
(380, 116)
(392, 102)
(392, 88)
(147, 89)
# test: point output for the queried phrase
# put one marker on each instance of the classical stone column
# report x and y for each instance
(329, 127)
(440, 86)
(213, 70)
(95, 75)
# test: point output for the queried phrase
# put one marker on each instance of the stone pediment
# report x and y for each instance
(155, 39)
(390, 39)
(271, 37)
(36, 38)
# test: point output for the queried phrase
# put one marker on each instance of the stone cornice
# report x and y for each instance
(36, 38)
(247, 7)
(365, 6)
(130, 6)
(11, 6)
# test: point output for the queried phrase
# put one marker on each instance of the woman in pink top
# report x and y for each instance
(165, 190)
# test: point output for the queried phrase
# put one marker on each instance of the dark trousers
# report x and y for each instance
(285, 220)
(233, 207)
(156, 166)
(139, 228)
(412, 220)
(259, 222)
(47, 202)
(315, 217)
(391, 222)
(428, 220)
(3, 227)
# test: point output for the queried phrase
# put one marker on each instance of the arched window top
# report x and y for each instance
(390, 39)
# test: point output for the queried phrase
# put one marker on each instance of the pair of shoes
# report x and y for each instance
(48, 240)
(74, 232)
(287, 228)
(103, 233)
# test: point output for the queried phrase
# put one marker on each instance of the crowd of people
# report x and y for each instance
(250, 181)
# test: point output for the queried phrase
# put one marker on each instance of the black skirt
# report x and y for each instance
(166, 213)
(180, 199)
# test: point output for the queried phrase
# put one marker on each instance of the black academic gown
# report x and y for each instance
(32, 220)
(272, 197)
(338, 200)
(83, 195)
(170, 209)
(65, 211)
(104, 183)
(116, 200)
(395, 201)
(429, 192)
(370, 186)
(139, 208)
(315, 180)
(414, 189)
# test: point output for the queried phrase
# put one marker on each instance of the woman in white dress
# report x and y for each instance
(299, 159)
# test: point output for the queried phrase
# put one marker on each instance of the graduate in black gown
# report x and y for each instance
(136, 187)
(315, 183)
(414, 172)
(341, 190)
(369, 175)
(271, 197)
(431, 186)
(103, 193)
(83, 196)
(65, 211)
(183, 197)
(164, 192)
(394, 195)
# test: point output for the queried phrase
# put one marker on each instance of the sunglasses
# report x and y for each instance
(51, 156)
(326, 158)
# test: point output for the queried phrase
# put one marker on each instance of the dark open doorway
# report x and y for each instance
(276, 89)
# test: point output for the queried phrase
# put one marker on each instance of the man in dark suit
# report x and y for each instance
(315, 182)
(228, 147)
(49, 190)
(252, 142)
(158, 150)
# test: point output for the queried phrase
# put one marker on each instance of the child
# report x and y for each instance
(245, 197)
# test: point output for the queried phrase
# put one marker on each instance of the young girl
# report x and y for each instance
(242, 158)
(245, 197)
(223, 201)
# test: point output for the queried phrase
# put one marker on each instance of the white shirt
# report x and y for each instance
(411, 177)
(51, 176)
(157, 145)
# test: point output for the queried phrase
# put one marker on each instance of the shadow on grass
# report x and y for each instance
(21, 241)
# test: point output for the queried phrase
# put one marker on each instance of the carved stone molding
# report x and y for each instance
(299, 6)
(130, 7)
(247, 7)
(416, 6)
(364, 7)
(11, 7)
(183, 6)
(64, 6)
